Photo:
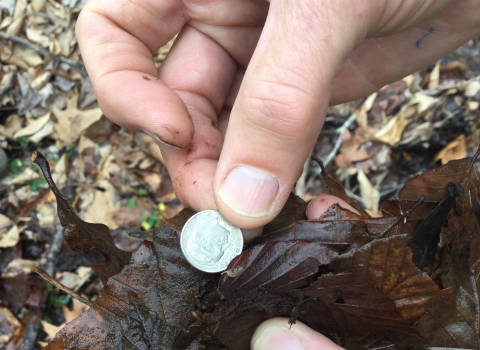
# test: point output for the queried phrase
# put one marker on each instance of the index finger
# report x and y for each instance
(117, 43)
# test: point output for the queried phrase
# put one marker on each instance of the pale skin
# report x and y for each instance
(241, 97)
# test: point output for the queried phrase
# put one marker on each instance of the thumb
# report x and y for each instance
(276, 334)
(280, 108)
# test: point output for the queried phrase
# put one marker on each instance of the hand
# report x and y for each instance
(276, 334)
(301, 55)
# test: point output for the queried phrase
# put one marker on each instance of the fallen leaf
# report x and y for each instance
(104, 206)
(9, 234)
(456, 149)
(352, 305)
(34, 126)
(18, 17)
(12, 125)
(77, 308)
(9, 325)
(434, 77)
(472, 88)
(368, 192)
(26, 175)
(71, 122)
(18, 267)
(345, 275)
(392, 132)
(92, 240)
(36, 35)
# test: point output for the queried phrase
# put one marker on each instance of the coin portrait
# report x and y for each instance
(209, 242)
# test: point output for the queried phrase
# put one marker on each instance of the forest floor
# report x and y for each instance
(117, 177)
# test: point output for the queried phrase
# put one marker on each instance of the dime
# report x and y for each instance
(209, 242)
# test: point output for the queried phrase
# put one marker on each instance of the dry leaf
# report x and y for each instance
(392, 132)
(422, 101)
(473, 105)
(12, 125)
(472, 88)
(37, 5)
(32, 58)
(104, 206)
(19, 266)
(34, 126)
(36, 35)
(9, 324)
(362, 118)
(18, 17)
(9, 234)
(456, 149)
(26, 175)
(71, 122)
(41, 80)
(368, 192)
(434, 76)
(47, 130)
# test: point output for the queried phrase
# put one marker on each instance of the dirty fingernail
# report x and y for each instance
(277, 338)
(159, 140)
(249, 191)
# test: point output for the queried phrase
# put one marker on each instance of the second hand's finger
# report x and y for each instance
(380, 61)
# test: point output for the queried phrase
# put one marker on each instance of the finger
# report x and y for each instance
(278, 112)
(319, 205)
(276, 334)
(203, 87)
(379, 61)
(117, 50)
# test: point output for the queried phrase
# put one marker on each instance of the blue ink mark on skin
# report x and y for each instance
(430, 31)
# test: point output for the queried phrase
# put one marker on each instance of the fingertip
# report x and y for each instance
(250, 234)
(277, 334)
(318, 206)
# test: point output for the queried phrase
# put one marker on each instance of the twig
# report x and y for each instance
(403, 216)
(60, 286)
(31, 331)
(336, 146)
(338, 142)
(475, 156)
(54, 249)
(356, 197)
(18, 40)
(300, 188)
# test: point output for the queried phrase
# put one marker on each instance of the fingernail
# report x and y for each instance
(277, 338)
(249, 191)
(159, 140)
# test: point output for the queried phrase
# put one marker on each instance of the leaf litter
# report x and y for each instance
(368, 286)
(408, 127)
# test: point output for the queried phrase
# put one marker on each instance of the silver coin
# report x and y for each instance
(209, 242)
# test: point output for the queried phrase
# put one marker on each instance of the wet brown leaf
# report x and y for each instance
(347, 275)
(387, 264)
(346, 303)
(92, 240)
(148, 305)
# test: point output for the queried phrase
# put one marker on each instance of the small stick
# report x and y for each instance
(338, 142)
(54, 249)
(60, 286)
(403, 216)
(475, 156)
(300, 187)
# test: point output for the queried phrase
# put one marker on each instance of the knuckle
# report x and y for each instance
(281, 109)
